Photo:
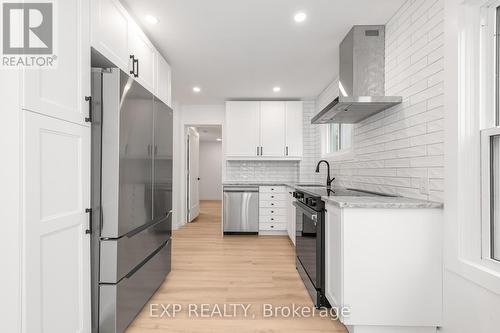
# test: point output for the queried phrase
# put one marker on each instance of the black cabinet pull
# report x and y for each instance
(133, 64)
(286, 149)
(257, 151)
(136, 74)
(89, 211)
(89, 100)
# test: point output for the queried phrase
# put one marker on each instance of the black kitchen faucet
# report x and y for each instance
(328, 179)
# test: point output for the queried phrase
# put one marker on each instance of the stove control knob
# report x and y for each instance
(312, 202)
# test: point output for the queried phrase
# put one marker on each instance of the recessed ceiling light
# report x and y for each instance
(276, 89)
(151, 19)
(218, 139)
(300, 17)
(196, 89)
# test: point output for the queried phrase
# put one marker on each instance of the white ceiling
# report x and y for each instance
(209, 133)
(242, 48)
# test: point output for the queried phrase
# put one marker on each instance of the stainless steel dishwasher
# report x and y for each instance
(241, 210)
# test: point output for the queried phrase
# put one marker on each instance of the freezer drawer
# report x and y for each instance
(120, 303)
(119, 256)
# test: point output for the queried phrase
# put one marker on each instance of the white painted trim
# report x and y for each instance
(464, 89)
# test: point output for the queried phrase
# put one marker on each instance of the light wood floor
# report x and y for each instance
(207, 268)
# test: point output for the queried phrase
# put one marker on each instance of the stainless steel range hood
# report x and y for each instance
(361, 78)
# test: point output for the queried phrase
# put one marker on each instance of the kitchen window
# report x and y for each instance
(490, 157)
(337, 139)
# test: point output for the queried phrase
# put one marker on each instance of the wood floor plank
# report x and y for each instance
(209, 268)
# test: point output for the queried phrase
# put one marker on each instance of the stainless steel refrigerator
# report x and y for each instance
(131, 197)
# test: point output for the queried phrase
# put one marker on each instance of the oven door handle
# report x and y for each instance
(312, 215)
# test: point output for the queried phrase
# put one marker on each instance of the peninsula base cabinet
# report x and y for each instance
(385, 267)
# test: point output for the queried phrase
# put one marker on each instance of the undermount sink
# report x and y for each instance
(310, 185)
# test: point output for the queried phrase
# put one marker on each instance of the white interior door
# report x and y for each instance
(56, 258)
(193, 173)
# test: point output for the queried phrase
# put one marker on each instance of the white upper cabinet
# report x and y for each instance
(293, 128)
(242, 129)
(272, 128)
(60, 92)
(110, 30)
(120, 39)
(143, 55)
(163, 80)
(263, 130)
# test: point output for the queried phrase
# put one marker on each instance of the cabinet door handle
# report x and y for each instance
(257, 150)
(261, 151)
(89, 100)
(133, 64)
(137, 68)
(286, 151)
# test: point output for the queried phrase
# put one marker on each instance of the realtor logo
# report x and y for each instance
(28, 34)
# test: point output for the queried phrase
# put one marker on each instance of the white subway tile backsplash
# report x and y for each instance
(394, 149)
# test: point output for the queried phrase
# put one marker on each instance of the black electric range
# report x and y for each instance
(310, 236)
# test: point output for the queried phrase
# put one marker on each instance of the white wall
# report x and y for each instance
(188, 115)
(395, 149)
(210, 185)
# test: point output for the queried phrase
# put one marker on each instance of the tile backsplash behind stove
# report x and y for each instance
(262, 171)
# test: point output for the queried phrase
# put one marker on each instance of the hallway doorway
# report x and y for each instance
(203, 167)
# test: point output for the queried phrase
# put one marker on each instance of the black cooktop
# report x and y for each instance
(320, 191)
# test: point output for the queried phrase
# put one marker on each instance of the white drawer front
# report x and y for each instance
(272, 189)
(272, 204)
(272, 226)
(272, 196)
(272, 211)
(272, 219)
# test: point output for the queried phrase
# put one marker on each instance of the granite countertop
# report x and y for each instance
(379, 202)
(360, 200)
(264, 183)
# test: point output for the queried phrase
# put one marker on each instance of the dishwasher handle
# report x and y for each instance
(241, 189)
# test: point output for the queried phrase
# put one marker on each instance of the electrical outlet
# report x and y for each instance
(424, 185)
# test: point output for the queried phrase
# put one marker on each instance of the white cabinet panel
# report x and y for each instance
(163, 80)
(290, 215)
(110, 31)
(242, 128)
(293, 128)
(59, 92)
(57, 249)
(272, 189)
(272, 226)
(142, 50)
(333, 256)
(279, 130)
(272, 128)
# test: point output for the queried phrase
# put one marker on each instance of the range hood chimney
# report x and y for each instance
(361, 78)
